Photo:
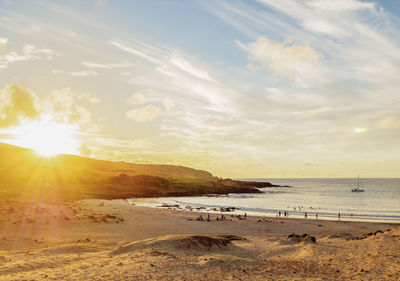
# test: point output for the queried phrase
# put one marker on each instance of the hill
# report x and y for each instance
(26, 175)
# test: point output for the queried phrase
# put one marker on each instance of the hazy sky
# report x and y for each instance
(268, 88)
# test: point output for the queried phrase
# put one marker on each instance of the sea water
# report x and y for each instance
(326, 197)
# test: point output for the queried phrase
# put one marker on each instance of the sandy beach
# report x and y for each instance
(115, 240)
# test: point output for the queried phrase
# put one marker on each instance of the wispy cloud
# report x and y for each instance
(341, 5)
(143, 114)
(89, 97)
(346, 33)
(135, 51)
(391, 122)
(298, 61)
(93, 65)
(169, 104)
(137, 98)
(29, 52)
(168, 71)
(84, 73)
(329, 67)
(189, 68)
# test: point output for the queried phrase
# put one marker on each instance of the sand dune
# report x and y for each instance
(178, 242)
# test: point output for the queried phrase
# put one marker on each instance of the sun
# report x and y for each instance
(47, 137)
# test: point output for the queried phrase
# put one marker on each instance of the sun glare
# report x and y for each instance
(359, 130)
(47, 137)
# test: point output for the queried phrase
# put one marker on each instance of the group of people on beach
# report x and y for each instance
(306, 215)
(244, 217)
(316, 215)
(285, 214)
(221, 218)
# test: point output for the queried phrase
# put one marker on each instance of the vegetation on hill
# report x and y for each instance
(25, 175)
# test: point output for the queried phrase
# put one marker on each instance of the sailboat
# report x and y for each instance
(358, 188)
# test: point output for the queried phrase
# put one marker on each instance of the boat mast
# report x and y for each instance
(358, 181)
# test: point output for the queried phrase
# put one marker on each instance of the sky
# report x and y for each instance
(264, 88)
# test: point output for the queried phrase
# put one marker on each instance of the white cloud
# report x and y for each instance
(3, 43)
(390, 122)
(314, 112)
(56, 71)
(89, 97)
(62, 99)
(16, 104)
(298, 61)
(84, 73)
(340, 5)
(107, 141)
(136, 52)
(189, 68)
(84, 150)
(82, 116)
(137, 98)
(62, 103)
(324, 26)
(214, 94)
(93, 65)
(168, 104)
(347, 32)
(29, 52)
(143, 114)
(176, 75)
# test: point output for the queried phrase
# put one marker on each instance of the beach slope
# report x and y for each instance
(115, 240)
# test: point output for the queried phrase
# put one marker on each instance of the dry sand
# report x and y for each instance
(113, 240)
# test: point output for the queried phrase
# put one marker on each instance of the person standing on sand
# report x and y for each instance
(305, 215)
(279, 213)
(338, 215)
(316, 216)
(245, 215)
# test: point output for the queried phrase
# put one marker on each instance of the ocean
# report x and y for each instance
(326, 197)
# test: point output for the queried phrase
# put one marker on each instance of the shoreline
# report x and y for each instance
(156, 202)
